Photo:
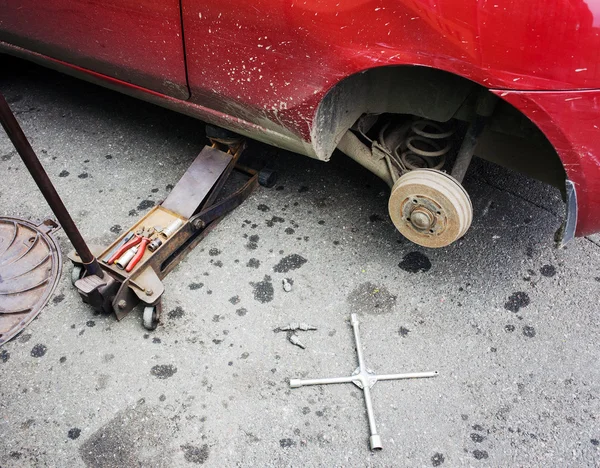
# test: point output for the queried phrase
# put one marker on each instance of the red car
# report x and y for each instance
(409, 88)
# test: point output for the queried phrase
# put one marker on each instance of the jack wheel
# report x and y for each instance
(267, 178)
(76, 273)
(430, 208)
(151, 317)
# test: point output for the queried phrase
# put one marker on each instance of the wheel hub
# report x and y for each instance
(430, 208)
(421, 218)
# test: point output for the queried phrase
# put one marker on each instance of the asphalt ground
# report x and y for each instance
(510, 322)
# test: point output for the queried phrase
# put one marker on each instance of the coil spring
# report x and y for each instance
(425, 146)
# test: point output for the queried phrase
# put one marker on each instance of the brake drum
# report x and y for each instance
(430, 208)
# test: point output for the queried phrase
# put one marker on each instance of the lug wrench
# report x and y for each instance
(363, 378)
(35, 168)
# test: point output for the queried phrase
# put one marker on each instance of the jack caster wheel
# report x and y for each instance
(430, 208)
(151, 317)
(76, 273)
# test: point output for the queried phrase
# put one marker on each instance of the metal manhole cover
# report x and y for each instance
(30, 266)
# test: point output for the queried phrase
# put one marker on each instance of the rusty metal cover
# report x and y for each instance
(30, 266)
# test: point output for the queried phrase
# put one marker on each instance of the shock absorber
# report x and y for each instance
(485, 107)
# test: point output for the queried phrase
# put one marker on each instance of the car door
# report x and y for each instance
(257, 60)
(136, 41)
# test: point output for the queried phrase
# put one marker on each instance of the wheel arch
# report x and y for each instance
(437, 95)
(398, 89)
(513, 138)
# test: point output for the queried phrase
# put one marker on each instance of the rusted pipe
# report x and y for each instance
(35, 168)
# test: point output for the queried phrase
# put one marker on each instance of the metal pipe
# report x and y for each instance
(411, 375)
(361, 360)
(295, 383)
(351, 146)
(375, 439)
(35, 168)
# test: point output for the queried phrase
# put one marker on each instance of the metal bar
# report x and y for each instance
(375, 440)
(35, 168)
(295, 383)
(198, 226)
(413, 375)
(197, 182)
(361, 361)
(224, 206)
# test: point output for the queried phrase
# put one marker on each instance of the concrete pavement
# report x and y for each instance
(510, 322)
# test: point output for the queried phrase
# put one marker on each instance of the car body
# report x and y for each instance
(298, 74)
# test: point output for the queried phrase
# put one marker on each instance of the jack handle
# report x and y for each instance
(35, 168)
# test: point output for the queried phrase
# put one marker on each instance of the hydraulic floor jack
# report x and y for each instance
(192, 209)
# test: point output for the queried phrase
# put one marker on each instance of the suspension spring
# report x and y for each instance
(425, 147)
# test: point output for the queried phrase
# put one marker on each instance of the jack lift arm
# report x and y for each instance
(193, 208)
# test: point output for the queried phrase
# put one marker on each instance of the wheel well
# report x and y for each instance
(426, 92)
(440, 96)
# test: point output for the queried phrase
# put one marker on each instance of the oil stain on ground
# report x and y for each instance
(369, 298)
(253, 242)
(163, 371)
(291, 262)
(135, 437)
(197, 455)
(275, 219)
(263, 290)
(39, 350)
(145, 204)
(517, 301)
(178, 311)
(415, 262)
(548, 271)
